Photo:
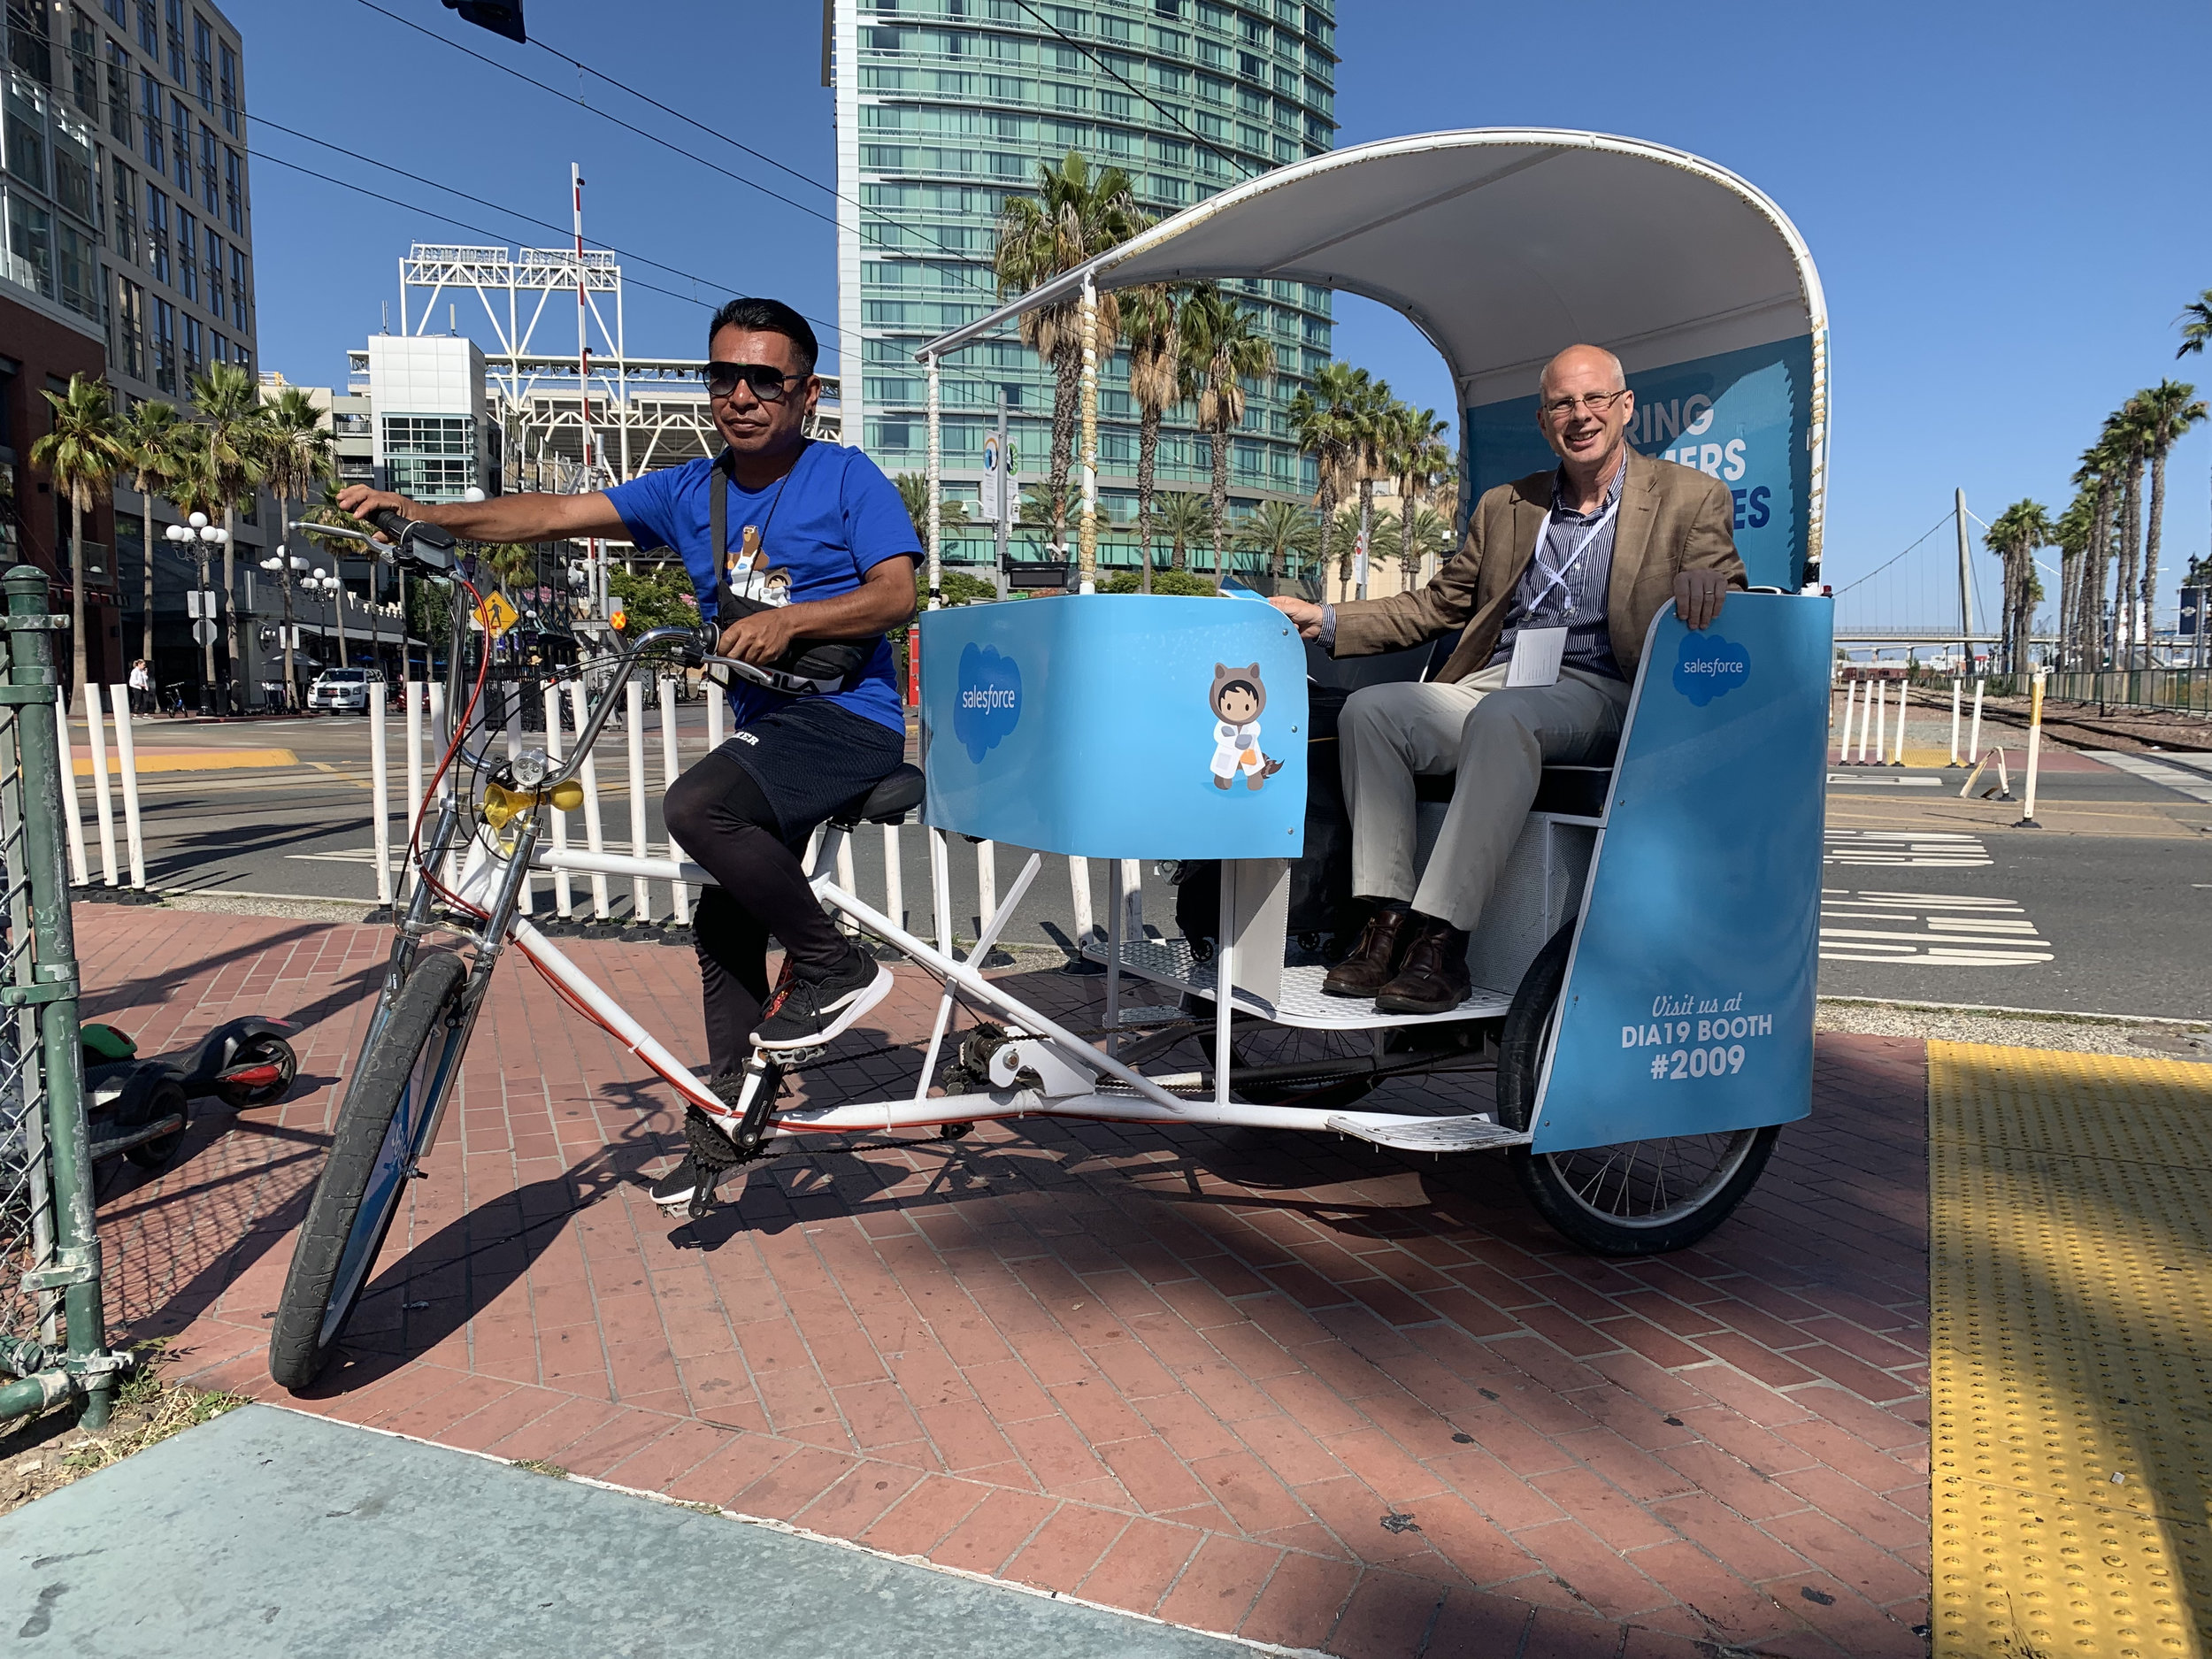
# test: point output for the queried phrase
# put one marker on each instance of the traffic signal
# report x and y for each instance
(501, 17)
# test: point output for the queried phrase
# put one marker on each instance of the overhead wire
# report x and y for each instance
(1878, 569)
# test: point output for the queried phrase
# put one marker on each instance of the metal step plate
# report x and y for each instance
(1427, 1135)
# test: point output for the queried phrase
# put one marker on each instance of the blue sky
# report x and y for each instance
(2008, 204)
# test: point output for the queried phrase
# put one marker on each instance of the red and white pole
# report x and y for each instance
(595, 554)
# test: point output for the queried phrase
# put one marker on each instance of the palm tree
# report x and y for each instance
(82, 455)
(1414, 544)
(1150, 316)
(1414, 456)
(2196, 328)
(2100, 466)
(1373, 420)
(229, 403)
(1278, 531)
(146, 434)
(914, 492)
(2168, 408)
(1077, 215)
(1320, 416)
(2072, 534)
(2017, 532)
(1184, 517)
(1222, 349)
(297, 456)
(2126, 432)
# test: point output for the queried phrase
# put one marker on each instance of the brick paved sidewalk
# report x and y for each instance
(1307, 1391)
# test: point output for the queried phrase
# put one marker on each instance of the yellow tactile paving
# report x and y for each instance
(2070, 1335)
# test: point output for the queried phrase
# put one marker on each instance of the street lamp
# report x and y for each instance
(283, 566)
(334, 588)
(204, 538)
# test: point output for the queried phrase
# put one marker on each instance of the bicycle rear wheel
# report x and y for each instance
(409, 1064)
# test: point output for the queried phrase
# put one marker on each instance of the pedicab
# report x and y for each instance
(1644, 976)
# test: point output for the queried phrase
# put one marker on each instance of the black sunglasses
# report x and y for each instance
(766, 380)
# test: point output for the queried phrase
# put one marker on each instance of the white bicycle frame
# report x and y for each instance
(1073, 1078)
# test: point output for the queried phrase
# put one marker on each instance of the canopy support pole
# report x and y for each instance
(931, 532)
(1088, 544)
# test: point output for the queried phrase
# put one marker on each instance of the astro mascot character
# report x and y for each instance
(1237, 698)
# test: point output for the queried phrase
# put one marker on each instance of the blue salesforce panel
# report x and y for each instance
(1688, 1006)
(1117, 726)
(1741, 417)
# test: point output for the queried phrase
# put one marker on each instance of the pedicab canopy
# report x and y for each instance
(1505, 245)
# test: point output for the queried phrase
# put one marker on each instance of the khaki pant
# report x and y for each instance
(1497, 741)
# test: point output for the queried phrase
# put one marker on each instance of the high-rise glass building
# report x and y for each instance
(946, 107)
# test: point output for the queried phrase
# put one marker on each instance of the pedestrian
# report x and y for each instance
(142, 688)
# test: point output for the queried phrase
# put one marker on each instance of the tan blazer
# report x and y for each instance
(1671, 519)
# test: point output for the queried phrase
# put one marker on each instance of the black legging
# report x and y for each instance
(718, 815)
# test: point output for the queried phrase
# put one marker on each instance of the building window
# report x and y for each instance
(116, 9)
(123, 191)
(130, 327)
(222, 348)
(180, 143)
(84, 65)
(215, 273)
(31, 246)
(158, 234)
(210, 179)
(188, 256)
(173, 17)
(432, 457)
(238, 289)
(203, 61)
(194, 361)
(78, 268)
(234, 191)
(229, 72)
(164, 346)
(119, 127)
(149, 111)
(149, 31)
(26, 141)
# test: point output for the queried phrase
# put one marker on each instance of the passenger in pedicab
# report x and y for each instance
(1551, 594)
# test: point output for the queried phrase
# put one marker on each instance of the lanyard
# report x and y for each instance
(1558, 578)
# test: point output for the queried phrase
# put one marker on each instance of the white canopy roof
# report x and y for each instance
(1502, 245)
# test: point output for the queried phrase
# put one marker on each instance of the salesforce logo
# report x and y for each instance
(1708, 667)
(987, 700)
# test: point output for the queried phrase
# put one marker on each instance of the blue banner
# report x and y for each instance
(1741, 417)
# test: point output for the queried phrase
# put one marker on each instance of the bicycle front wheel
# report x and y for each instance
(408, 1066)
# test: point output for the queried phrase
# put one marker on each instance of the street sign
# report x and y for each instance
(2194, 602)
(203, 632)
(496, 615)
(989, 510)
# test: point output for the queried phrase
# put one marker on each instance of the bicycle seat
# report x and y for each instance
(888, 802)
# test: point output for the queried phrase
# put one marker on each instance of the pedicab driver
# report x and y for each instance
(820, 531)
(1550, 594)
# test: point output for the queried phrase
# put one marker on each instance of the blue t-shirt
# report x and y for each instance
(827, 522)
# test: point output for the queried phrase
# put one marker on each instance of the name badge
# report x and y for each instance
(1536, 654)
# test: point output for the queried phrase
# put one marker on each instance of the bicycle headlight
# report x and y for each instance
(529, 768)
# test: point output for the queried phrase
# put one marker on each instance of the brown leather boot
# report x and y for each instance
(1433, 977)
(1374, 959)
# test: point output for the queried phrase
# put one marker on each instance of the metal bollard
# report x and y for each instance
(2035, 747)
(1079, 885)
(1956, 686)
(985, 884)
(1974, 739)
(126, 770)
(1904, 694)
(1850, 707)
(72, 816)
(103, 809)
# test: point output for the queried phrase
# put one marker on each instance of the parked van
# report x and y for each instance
(345, 690)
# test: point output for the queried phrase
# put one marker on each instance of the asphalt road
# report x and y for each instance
(2105, 907)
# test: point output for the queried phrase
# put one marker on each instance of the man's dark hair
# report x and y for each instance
(771, 317)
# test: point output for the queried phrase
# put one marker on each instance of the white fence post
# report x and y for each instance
(71, 809)
(1904, 695)
(381, 795)
(1974, 739)
(595, 839)
(563, 899)
(126, 768)
(442, 739)
(985, 884)
(894, 878)
(680, 895)
(1955, 722)
(634, 706)
(416, 693)
(1850, 707)
(102, 806)
(1079, 890)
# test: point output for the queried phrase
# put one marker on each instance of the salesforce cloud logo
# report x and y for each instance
(1708, 667)
(987, 702)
